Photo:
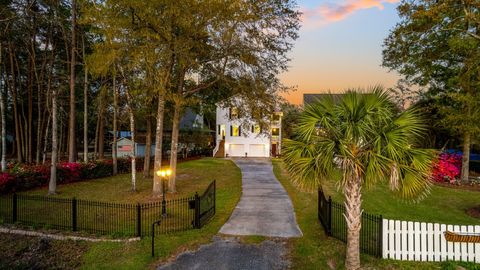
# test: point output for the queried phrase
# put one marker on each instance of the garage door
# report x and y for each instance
(237, 150)
(257, 150)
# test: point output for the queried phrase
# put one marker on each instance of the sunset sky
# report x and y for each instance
(340, 46)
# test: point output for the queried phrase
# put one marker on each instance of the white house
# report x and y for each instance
(243, 138)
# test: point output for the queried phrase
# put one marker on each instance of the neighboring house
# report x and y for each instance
(312, 98)
(124, 147)
(235, 138)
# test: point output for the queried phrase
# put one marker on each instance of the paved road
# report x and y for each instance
(230, 254)
(264, 208)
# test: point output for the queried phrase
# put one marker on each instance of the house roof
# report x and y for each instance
(312, 98)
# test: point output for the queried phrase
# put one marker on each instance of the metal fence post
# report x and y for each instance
(214, 196)
(197, 212)
(74, 214)
(380, 237)
(153, 239)
(139, 220)
(329, 216)
(14, 208)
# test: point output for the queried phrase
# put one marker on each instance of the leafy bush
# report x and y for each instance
(23, 177)
(447, 167)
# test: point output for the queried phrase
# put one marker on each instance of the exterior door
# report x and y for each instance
(274, 149)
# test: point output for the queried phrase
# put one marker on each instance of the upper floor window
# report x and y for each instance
(256, 129)
(275, 131)
(276, 117)
(233, 113)
(235, 131)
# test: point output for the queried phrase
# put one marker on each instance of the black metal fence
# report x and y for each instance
(104, 218)
(331, 216)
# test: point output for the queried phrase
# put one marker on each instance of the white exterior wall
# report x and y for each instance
(251, 142)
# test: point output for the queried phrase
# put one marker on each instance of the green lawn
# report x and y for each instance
(192, 176)
(441, 205)
(317, 251)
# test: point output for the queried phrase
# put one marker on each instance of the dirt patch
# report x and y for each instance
(474, 212)
(27, 252)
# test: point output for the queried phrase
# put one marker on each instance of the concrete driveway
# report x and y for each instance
(264, 208)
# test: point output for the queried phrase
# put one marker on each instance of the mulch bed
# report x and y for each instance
(474, 212)
(27, 252)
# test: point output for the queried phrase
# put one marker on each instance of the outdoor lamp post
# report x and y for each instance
(164, 174)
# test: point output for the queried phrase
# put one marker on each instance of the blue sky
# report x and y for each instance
(340, 46)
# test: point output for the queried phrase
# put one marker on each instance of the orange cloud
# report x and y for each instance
(328, 13)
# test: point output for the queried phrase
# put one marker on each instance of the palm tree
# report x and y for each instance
(360, 139)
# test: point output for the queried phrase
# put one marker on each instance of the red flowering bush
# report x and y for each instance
(23, 177)
(447, 168)
(5, 181)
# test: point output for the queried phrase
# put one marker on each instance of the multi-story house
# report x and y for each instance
(239, 137)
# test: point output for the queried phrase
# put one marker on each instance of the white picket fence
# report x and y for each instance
(420, 241)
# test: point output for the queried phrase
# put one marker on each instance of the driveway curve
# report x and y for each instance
(265, 208)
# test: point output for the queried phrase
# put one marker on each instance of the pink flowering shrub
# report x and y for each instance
(5, 181)
(447, 168)
(23, 177)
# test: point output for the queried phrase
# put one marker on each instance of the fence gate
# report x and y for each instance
(205, 206)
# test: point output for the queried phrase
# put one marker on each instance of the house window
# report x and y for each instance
(219, 130)
(233, 113)
(276, 117)
(275, 131)
(255, 129)
(235, 131)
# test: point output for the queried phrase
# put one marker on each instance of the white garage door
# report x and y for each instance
(257, 150)
(237, 150)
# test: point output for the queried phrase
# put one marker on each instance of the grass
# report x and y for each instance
(192, 176)
(442, 204)
(136, 255)
(317, 251)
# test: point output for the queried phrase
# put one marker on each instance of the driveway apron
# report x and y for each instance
(264, 208)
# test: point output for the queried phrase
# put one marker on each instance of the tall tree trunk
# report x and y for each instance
(134, 154)
(353, 217)
(28, 130)
(71, 123)
(466, 157)
(95, 147)
(52, 186)
(115, 111)
(2, 115)
(174, 148)
(85, 104)
(45, 143)
(13, 90)
(101, 135)
(148, 148)
(157, 181)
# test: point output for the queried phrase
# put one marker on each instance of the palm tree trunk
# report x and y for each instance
(353, 217)
(466, 157)
(157, 181)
